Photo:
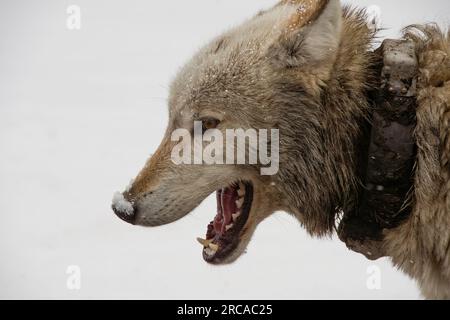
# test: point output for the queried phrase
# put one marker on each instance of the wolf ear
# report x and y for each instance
(310, 36)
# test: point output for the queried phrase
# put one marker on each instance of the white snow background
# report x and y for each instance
(80, 112)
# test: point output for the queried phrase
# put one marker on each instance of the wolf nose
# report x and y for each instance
(123, 208)
(124, 215)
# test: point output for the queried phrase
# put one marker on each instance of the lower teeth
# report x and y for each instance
(214, 247)
(204, 242)
(208, 245)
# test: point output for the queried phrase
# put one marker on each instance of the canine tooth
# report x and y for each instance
(235, 215)
(228, 227)
(204, 242)
(213, 247)
(239, 202)
(241, 192)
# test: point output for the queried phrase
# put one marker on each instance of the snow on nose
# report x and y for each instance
(123, 208)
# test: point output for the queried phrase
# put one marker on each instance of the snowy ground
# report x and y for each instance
(80, 111)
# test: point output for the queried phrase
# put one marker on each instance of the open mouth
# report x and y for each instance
(223, 234)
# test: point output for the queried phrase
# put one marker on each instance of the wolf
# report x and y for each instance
(304, 67)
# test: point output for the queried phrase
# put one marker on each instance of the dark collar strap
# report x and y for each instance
(389, 165)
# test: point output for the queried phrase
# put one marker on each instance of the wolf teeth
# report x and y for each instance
(239, 202)
(208, 245)
(204, 243)
(213, 247)
(228, 227)
(209, 252)
(241, 190)
(235, 215)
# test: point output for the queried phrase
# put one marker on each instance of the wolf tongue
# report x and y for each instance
(226, 206)
(228, 201)
(218, 220)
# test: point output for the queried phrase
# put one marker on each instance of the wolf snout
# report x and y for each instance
(123, 208)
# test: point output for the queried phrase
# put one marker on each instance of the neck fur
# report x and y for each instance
(329, 159)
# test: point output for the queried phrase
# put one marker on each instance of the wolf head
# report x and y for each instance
(278, 70)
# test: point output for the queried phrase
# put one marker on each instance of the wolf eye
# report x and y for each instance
(209, 123)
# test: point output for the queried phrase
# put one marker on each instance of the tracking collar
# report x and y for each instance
(387, 172)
